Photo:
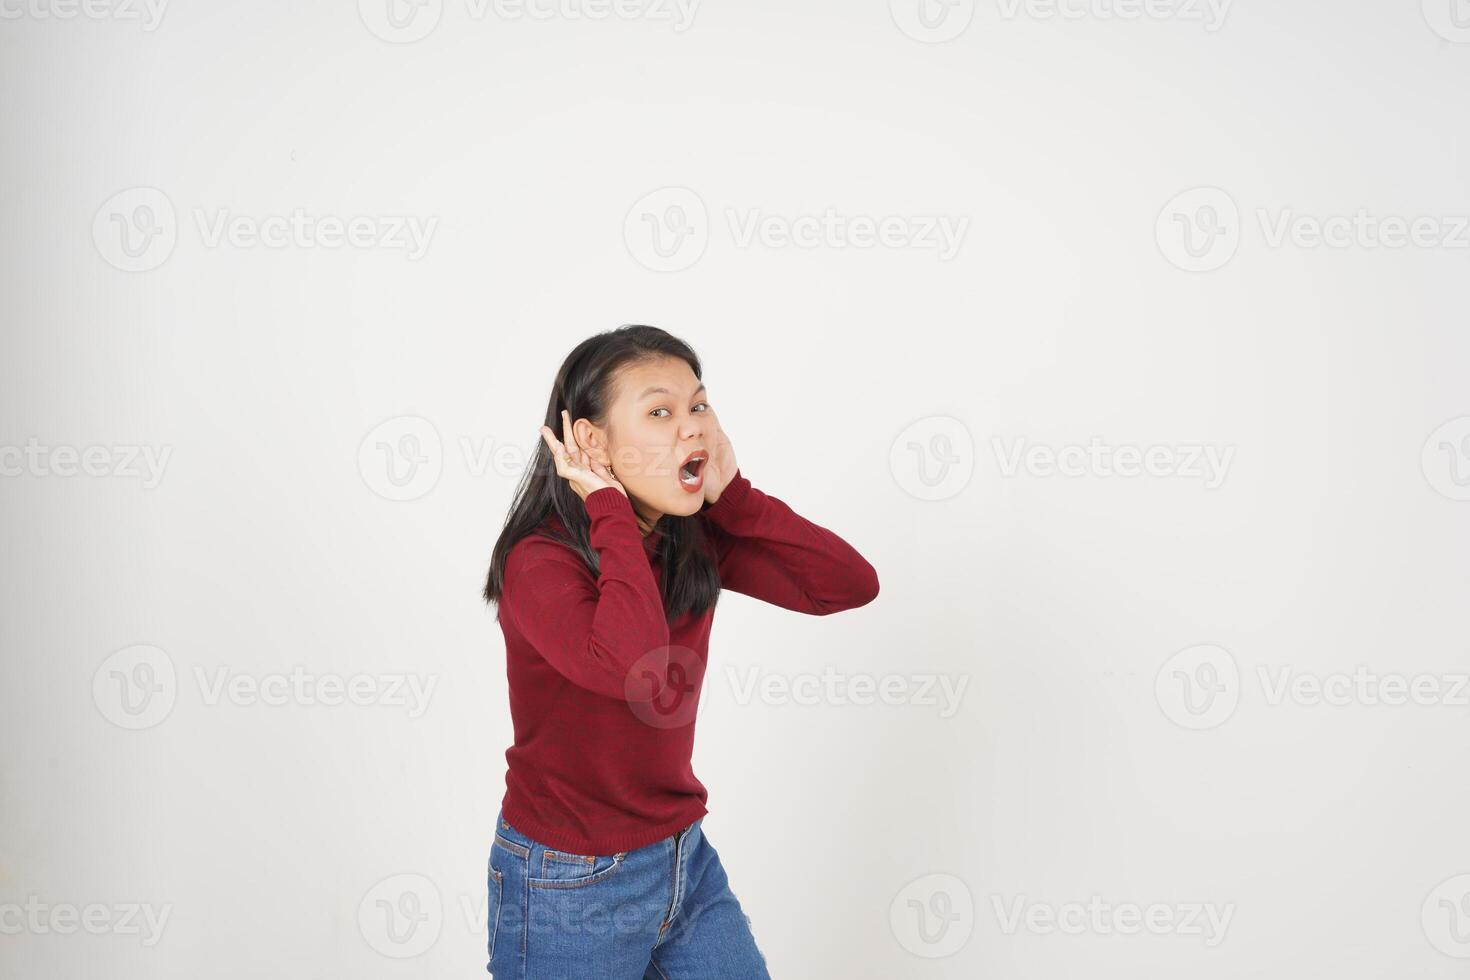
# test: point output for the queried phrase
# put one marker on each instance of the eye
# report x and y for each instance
(700, 406)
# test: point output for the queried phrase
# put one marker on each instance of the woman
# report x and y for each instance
(605, 577)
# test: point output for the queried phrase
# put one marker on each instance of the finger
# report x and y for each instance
(556, 448)
(567, 435)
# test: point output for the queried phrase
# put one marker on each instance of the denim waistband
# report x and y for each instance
(507, 830)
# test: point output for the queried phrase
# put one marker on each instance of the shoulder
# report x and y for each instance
(542, 574)
(543, 546)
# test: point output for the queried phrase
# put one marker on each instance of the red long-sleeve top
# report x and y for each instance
(601, 763)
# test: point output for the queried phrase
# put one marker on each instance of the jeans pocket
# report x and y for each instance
(562, 869)
(545, 866)
(495, 887)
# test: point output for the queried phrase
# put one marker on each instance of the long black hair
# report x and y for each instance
(584, 387)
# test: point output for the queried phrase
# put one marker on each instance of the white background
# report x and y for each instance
(867, 386)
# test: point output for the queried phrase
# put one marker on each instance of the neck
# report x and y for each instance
(646, 519)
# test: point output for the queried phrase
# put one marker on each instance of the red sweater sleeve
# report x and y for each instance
(768, 551)
(592, 631)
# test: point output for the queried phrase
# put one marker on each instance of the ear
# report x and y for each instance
(593, 439)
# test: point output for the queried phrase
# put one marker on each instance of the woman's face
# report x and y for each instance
(659, 417)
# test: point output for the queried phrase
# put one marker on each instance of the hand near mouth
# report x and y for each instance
(720, 468)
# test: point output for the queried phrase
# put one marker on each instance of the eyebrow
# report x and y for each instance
(658, 390)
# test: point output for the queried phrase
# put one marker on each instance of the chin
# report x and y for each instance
(685, 504)
(677, 500)
(665, 500)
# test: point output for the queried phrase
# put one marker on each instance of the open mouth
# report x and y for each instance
(691, 473)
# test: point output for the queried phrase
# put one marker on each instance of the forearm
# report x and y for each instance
(773, 553)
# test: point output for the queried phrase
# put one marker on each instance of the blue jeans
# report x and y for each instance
(661, 912)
